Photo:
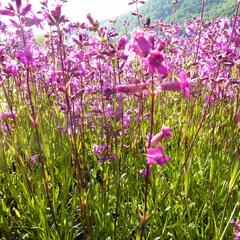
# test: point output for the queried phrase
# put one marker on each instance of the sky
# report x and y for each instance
(76, 10)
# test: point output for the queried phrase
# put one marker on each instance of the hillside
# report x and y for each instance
(185, 9)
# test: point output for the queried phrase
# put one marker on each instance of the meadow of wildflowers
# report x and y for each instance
(108, 136)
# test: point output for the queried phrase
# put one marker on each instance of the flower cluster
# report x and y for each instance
(182, 84)
(103, 152)
(236, 229)
(143, 44)
(156, 155)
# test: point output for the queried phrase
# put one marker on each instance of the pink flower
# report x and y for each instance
(236, 117)
(210, 99)
(33, 159)
(7, 115)
(236, 228)
(171, 86)
(34, 20)
(29, 55)
(165, 132)
(121, 43)
(155, 155)
(12, 68)
(132, 88)
(154, 62)
(5, 128)
(7, 12)
(183, 85)
(141, 43)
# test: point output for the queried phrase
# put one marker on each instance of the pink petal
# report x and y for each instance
(162, 70)
(150, 161)
(171, 86)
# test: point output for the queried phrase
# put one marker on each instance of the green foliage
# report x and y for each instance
(185, 9)
(194, 202)
(40, 40)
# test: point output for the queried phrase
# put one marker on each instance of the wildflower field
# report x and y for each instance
(118, 136)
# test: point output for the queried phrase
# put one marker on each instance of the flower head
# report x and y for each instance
(121, 43)
(141, 43)
(33, 159)
(184, 83)
(178, 85)
(12, 68)
(132, 88)
(103, 152)
(29, 55)
(236, 229)
(155, 155)
(236, 117)
(165, 132)
(154, 63)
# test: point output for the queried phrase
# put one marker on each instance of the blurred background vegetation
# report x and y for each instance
(185, 9)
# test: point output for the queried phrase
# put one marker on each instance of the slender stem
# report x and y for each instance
(206, 108)
(9, 103)
(234, 23)
(147, 166)
(174, 12)
(40, 151)
(200, 31)
(138, 17)
(118, 187)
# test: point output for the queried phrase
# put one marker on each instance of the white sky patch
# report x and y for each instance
(100, 9)
(76, 10)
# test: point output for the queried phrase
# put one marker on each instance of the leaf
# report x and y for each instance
(17, 212)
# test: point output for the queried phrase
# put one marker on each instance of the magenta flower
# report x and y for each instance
(121, 43)
(5, 128)
(7, 115)
(34, 20)
(96, 149)
(55, 17)
(165, 132)
(154, 62)
(141, 43)
(7, 12)
(210, 100)
(185, 85)
(236, 229)
(132, 88)
(155, 155)
(33, 159)
(171, 86)
(90, 19)
(103, 153)
(181, 85)
(94, 23)
(29, 55)
(26, 9)
(11, 68)
(236, 117)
